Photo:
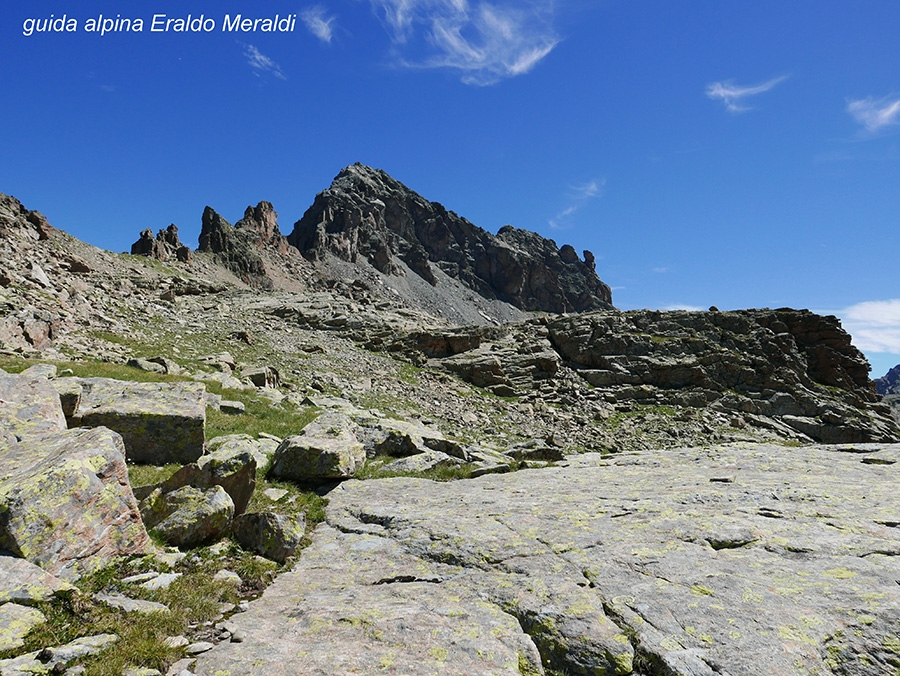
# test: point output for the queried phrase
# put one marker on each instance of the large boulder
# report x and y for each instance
(188, 516)
(160, 423)
(271, 535)
(29, 407)
(65, 501)
(327, 449)
(231, 466)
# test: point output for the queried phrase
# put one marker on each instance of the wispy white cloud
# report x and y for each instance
(577, 196)
(732, 95)
(486, 43)
(318, 22)
(875, 114)
(261, 63)
(874, 325)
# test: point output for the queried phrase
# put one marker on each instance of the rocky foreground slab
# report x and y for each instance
(739, 559)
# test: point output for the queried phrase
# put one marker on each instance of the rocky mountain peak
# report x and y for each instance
(367, 216)
(262, 221)
(889, 383)
(236, 247)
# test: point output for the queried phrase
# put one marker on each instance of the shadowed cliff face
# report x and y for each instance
(367, 214)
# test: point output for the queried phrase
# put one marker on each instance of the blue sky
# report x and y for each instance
(707, 152)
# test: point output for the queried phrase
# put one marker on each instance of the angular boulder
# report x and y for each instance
(271, 535)
(327, 449)
(231, 466)
(160, 423)
(29, 407)
(65, 501)
(188, 516)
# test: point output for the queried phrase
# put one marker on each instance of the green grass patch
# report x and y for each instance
(259, 415)
(374, 469)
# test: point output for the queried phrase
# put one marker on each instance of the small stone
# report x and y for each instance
(162, 581)
(232, 407)
(228, 576)
(176, 641)
(275, 494)
(199, 647)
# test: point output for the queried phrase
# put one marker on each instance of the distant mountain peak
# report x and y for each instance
(367, 214)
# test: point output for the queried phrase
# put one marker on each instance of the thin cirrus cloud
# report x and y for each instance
(733, 96)
(874, 325)
(262, 64)
(318, 22)
(485, 43)
(577, 196)
(875, 114)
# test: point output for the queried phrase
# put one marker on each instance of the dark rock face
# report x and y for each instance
(367, 214)
(791, 366)
(889, 383)
(236, 246)
(165, 246)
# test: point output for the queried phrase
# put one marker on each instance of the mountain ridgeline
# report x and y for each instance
(368, 217)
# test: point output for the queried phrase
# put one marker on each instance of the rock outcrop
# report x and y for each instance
(17, 221)
(165, 246)
(237, 246)
(793, 366)
(741, 559)
(368, 215)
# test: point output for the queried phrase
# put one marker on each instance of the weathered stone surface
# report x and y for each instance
(739, 559)
(26, 584)
(188, 516)
(230, 465)
(160, 422)
(65, 501)
(362, 605)
(367, 214)
(326, 449)
(261, 449)
(29, 407)
(15, 623)
(271, 535)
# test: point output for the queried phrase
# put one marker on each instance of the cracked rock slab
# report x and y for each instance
(642, 563)
(358, 604)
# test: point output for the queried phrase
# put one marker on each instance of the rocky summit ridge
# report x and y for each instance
(645, 492)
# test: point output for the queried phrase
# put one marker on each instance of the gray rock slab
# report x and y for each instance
(27, 584)
(640, 563)
(358, 604)
(160, 423)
